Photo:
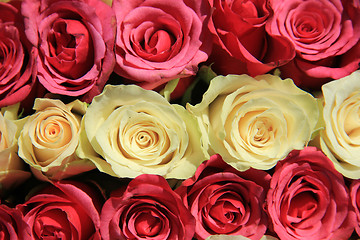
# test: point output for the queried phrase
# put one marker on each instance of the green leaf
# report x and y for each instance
(169, 88)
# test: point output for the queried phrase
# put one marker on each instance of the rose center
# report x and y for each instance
(147, 224)
(144, 139)
(262, 132)
(54, 131)
(52, 225)
(159, 42)
(303, 205)
(225, 212)
(70, 48)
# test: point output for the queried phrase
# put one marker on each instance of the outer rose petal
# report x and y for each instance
(13, 225)
(355, 201)
(230, 237)
(158, 41)
(226, 237)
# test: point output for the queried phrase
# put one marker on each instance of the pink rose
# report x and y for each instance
(308, 198)
(12, 224)
(76, 44)
(147, 209)
(242, 44)
(160, 40)
(326, 36)
(226, 201)
(355, 201)
(66, 210)
(17, 72)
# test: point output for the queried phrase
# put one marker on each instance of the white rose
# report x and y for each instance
(255, 122)
(340, 140)
(128, 131)
(12, 168)
(49, 139)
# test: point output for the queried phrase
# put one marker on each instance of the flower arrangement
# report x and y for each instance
(179, 119)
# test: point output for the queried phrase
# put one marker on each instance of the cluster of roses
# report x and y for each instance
(219, 156)
(305, 198)
(238, 161)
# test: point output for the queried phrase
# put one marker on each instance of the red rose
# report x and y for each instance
(242, 45)
(308, 198)
(147, 209)
(66, 210)
(12, 224)
(326, 36)
(355, 200)
(76, 44)
(160, 40)
(17, 72)
(226, 201)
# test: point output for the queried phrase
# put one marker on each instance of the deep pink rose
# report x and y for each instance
(17, 66)
(308, 198)
(147, 209)
(226, 201)
(326, 36)
(242, 44)
(76, 44)
(160, 40)
(12, 224)
(355, 200)
(66, 210)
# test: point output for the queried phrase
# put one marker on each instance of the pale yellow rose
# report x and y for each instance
(12, 168)
(128, 131)
(50, 137)
(255, 122)
(340, 140)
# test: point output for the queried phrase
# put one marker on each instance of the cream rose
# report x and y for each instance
(50, 137)
(340, 139)
(255, 122)
(128, 131)
(12, 168)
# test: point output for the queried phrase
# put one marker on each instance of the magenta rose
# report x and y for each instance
(17, 71)
(355, 201)
(66, 210)
(326, 36)
(308, 198)
(160, 40)
(226, 201)
(147, 209)
(76, 44)
(241, 42)
(12, 224)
